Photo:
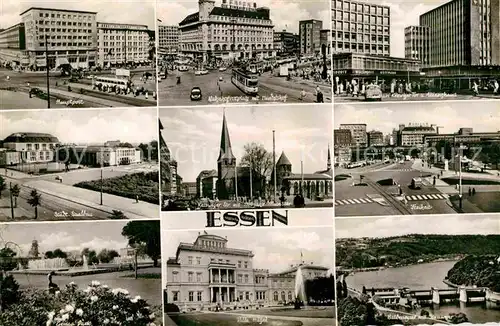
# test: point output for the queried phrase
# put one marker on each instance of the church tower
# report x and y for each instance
(283, 169)
(226, 165)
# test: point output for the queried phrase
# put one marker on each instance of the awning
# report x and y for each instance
(61, 61)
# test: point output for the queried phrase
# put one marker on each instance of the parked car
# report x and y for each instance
(373, 92)
(416, 183)
(222, 69)
(220, 78)
(196, 94)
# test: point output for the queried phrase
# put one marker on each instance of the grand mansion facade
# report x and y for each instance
(207, 274)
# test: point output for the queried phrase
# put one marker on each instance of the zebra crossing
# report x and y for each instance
(426, 197)
(340, 202)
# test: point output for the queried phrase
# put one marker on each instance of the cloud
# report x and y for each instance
(402, 225)
(85, 126)
(130, 11)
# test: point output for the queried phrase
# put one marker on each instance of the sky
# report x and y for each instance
(450, 116)
(134, 126)
(274, 248)
(108, 11)
(67, 236)
(405, 13)
(285, 14)
(193, 134)
(429, 224)
(296, 218)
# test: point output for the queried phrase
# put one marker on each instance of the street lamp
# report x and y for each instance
(101, 185)
(460, 177)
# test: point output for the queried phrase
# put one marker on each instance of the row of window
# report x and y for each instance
(30, 147)
(259, 295)
(242, 20)
(360, 7)
(64, 30)
(367, 19)
(360, 37)
(66, 16)
(86, 44)
(42, 156)
(63, 23)
(122, 37)
(64, 37)
(346, 26)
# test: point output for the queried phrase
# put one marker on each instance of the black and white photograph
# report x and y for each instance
(79, 164)
(259, 276)
(243, 52)
(81, 273)
(417, 158)
(246, 157)
(87, 54)
(399, 50)
(427, 271)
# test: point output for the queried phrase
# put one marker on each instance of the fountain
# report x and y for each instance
(300, 291)
(85, 265)
(48, 264)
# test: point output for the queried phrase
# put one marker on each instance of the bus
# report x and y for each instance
(118, 85)
(245, 81)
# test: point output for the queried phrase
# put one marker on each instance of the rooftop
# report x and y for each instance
(55, 9)
(30, 137)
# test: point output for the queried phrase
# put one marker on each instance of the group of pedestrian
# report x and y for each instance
(494, 85)
(472, 191)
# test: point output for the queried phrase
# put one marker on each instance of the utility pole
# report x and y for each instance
(11, 201)
(135, 262)
(274, 165)
(460, 178)
(101, 186)
(251, 181)
(47, 67)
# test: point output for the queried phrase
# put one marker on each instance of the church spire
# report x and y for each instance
(329, 162)
(226, 151)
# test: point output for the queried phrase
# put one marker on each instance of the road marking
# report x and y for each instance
(427, 197)
(353, 201)
(419, 197)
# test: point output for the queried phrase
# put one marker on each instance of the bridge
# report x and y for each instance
(433, 295)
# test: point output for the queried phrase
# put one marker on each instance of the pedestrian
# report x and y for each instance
(136, 198)
(475, 89)
(495, 87)
(473, 191)
(470, 191)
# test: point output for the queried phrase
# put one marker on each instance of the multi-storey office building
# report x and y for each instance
(208, 273)
(414, 134)
(168, 39)
(417, 43)
(12, 44)
(359, 27)
(68, 35)
(121, 44)
(285, 43)
(227, 32)
(358, 133)
(310, 37)
(464, 43)
(376, 138)
(326, 41)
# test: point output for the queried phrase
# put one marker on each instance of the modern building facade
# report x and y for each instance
(168, 39)
(70, 36)
(121, 44)
(326, 41)
(31, 147)
(376, 138)
(99, 155)
(310, 37)
(414, 134)
(168, 168)
(208, 273)
(464, 136)
(231, 31)
(359, 27)
(358, 133)
(417, 43)
(286, 43)
(12, 43)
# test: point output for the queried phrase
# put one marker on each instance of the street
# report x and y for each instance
(14, 92)
(374, 198)
(272, 89)
(416, 97)
(61, 201)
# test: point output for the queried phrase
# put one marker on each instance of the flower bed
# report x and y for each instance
(95, 306)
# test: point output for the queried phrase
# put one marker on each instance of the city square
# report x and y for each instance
(232, 281)
(109, 63)
(206, 163)
(49, 267)
(73, 176)
(431, 166)
(262, 60)
(396, 51)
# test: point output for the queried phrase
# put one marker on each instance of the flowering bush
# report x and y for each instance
(95, 306)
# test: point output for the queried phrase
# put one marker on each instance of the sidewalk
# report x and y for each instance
(129, 207)
(74, 96)
(488, 175)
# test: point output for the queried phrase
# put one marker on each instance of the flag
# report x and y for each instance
(301, 257)
(159, 20)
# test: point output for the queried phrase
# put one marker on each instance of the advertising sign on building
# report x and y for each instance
(122, 72)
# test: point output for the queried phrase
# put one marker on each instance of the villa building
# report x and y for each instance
(207, 273)
(29, 147)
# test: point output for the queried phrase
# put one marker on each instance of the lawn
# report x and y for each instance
(147, 276)
(471, 182)
(488, 202)
(220, 319)
(143, 185)
(328, 312)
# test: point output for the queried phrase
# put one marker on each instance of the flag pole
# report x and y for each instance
(274, 165)
(236, 179)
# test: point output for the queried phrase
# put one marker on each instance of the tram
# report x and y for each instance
(247, 82)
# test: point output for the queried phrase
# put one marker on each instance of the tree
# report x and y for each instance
(91, 256)
(117, 215)
(15, 191)
(127, 145)
(9, 291)
(49, 254)
(7, 261)
(149, 151)
(106, 256)
(259, 159)
(58, 253)
(3, 186)
(35, 201)
(147, 234)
